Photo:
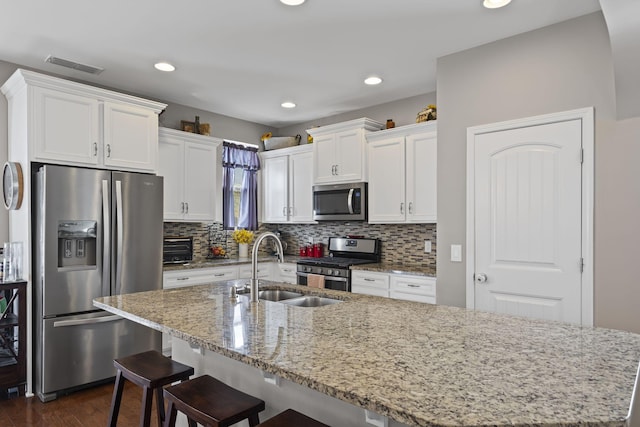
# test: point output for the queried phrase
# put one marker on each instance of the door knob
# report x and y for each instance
(481, 278)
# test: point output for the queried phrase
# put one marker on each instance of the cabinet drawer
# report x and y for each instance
(413, 288)
(177, 279)
(370, 279)
(263, 271)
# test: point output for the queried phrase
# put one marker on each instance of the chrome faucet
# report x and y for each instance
(254, 261)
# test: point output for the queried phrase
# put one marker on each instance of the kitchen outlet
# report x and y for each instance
(427, 246)
(456, 253)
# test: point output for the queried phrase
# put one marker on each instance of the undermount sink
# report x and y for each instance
(277, 295)
(311, 301)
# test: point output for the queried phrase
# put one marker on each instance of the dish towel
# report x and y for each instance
(315, 281)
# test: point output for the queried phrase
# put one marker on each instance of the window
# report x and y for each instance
(240, 186)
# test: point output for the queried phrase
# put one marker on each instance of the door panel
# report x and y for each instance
(528, 221)
(387, 181)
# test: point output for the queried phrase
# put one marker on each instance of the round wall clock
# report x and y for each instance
(12, 185)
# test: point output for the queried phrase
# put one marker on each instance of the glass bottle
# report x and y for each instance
(390, 123)
(197, 125)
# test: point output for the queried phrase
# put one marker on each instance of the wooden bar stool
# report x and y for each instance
(151, 371)
(210, 402)
(291, 418)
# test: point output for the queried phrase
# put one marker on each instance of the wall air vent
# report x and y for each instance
(73, 65)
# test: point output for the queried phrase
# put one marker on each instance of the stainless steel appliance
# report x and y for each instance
(177, 250)
(343, 253)
(343, 202)
(96, 233)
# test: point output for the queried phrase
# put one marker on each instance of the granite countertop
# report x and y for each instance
(420, 364)
(221, 262)
(389, 267)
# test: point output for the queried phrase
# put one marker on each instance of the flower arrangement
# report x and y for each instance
(429, 113)
(242, 236)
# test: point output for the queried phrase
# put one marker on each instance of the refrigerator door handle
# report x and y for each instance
(93, 320)
(106, 238)
(119, 236)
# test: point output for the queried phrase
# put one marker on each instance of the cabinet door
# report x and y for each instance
(387, 181)
(199, 182)
(66, 127)
(324, 155)
(264, 270)
(171, 167)
(350, 156)
(130, 137)
(301, 188)
(421, 194)
(275, 181)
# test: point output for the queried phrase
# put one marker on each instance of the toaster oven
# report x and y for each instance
(177, 250)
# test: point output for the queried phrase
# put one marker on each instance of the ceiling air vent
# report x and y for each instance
(74, 65)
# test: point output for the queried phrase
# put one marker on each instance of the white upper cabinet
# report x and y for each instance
(64, 122)
(188, 163)
(339, 151)
(287, 185)
(402, 174)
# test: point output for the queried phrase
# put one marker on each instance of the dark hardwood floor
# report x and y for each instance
(84, 408)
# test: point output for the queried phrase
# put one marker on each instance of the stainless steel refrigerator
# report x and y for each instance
(97, 233)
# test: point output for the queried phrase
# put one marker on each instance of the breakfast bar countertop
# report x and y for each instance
(419, 364)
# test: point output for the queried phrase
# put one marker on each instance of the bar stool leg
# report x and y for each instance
(115, 400)
(147, 399)
(172, 412)
(254, 420)
(160, 406)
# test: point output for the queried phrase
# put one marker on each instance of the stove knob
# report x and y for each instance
(329, 272)
(319, 271)
(307, 269)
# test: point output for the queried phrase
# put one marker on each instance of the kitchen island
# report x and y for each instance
(418, 364)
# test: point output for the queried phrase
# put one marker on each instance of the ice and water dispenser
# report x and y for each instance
(77, 244)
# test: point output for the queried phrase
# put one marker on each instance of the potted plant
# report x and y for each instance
(243, 238)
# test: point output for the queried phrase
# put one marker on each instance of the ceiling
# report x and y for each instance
(243, 58)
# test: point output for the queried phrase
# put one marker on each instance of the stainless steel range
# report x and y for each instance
(343, 253)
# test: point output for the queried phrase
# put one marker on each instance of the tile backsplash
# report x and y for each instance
(401, 243)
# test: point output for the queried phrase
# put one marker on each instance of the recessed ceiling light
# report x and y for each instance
(292, 2)
(288, 104)
(494, 4)
(373, 80)
(164, 66)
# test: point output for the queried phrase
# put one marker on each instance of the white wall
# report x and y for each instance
(557, 68)
(6, 70)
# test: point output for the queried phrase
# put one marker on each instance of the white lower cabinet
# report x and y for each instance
(399, 286)
(412, 288)
(287, 273)
(370, 283)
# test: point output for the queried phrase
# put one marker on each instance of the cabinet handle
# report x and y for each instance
(186, 205)
(287, 270)
(337, 173)
(290, 211)
(402, 208)
(95, 149)
(219, 274)
(411, 208)
(182, 278)
(366, 279)
(284, 211)
(333, 169)
(411, 285)
(182, 211)
(108, 150)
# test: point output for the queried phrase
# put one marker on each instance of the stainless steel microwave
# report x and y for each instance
(340, 202)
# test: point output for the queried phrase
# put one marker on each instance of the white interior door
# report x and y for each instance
(528, 229)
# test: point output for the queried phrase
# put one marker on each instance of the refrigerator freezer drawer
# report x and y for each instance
(78, 350)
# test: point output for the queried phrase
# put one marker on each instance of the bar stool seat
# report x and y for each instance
(291, 418)
(151, 371)
(210, 402)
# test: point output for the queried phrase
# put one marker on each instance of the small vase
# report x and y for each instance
(243, 250)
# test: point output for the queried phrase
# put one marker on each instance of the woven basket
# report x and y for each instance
(276, 142)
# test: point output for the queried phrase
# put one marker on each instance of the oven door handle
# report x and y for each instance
(326, 278)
